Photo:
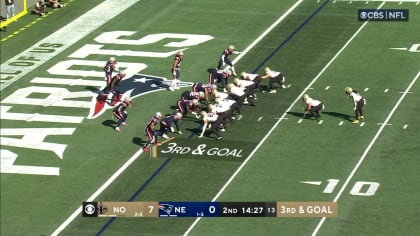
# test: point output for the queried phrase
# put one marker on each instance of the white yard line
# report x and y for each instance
(17, 67)
(78, 211)
(267, 31)
(284, 115)
(96, 18)
(369, 147)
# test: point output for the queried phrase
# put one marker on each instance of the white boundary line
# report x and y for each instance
(278, 122)
(78, 211)
(362, 158)
(96, 17)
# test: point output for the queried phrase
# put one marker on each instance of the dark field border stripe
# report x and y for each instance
(290, 36)
(136, 194)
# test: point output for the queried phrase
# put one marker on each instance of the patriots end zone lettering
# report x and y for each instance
(135, 85)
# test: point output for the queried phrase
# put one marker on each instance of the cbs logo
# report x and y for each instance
(89, 209)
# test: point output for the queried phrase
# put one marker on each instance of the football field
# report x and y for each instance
(59, 148)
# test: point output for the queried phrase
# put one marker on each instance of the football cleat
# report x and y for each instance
(165, 136)
(273, 91)
(145, 148)
(362, 117)
(117, 129)
(124, 124)
(356, 122)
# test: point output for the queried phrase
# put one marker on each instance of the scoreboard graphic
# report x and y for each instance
(209, 209)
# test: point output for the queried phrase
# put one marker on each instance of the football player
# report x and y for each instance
(216, 76)
(120, 112)
(358, 103)
(212, 119)
(190, 95)
(205, 88)
(167, 124)
(225, 60)
(238, 94)
(112, 87)
(256, 78)
(313, 106)
(150, 130)
(275, 77)
(248, 86)
(109, 68)
(176, 71)
(188, 106)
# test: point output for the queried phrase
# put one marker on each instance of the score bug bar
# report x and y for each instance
(209, 209)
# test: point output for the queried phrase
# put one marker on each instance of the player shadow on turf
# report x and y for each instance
(139, 141)
(300, 115)
(338, 115)
(297, 114)
(110, 123)
(93, 89)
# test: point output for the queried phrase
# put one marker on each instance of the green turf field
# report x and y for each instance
(55, 155)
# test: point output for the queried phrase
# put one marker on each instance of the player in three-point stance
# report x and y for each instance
(205, 88)
(169, 123)
(185, 106)
(313, 107)
(275, 77)
(150, 130)
(358, 103)
(211, 118)
(216, 76)
(176, 71)
(120, 112)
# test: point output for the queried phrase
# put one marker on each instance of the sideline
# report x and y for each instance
(28, 10)
(18, 66)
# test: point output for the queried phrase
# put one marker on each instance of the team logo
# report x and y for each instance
(134, 86)
(167, 208)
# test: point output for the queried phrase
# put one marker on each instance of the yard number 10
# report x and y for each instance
(360, 188)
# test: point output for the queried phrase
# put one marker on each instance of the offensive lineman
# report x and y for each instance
(275, 77)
